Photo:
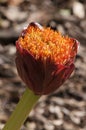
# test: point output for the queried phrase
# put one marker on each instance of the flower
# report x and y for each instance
(45, 58)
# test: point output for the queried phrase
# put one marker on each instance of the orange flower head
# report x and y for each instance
(45, 58)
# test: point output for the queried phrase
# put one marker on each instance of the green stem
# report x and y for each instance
(22, 110)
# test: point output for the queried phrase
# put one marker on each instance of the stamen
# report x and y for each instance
(46, 43)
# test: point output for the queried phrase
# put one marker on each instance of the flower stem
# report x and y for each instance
(22, 110)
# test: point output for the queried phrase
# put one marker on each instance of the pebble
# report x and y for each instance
(31, 126)
(48, 126)
(56, 110)
(79, 114)
(57, 122)
(75, 119)
(12, 50)
(14, 14)
(60, 29)
(78, 9)
(1, 125)
(4, 23)
(65, 111)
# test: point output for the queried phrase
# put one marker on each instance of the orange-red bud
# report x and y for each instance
(45, 58)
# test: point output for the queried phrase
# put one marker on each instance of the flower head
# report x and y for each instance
(45, 58)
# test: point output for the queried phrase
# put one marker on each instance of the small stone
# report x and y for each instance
(4, 23)
(60, 29)
(14, 14)
(65, 111)
(78, 9)
(65, 12)
(49, 126)
(75, 119)
(40, 110)
(1, 126)
(57, 122)
(12, 50)
(31, 125)
(51, 109)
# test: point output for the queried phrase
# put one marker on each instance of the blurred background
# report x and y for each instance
(64, 109)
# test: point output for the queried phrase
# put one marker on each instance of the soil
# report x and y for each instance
(64, 109)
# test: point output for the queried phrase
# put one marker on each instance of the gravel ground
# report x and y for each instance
(64, 109)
